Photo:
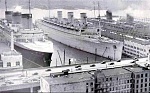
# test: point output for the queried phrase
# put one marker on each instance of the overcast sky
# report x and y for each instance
(105, 4)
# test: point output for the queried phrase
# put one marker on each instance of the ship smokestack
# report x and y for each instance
(59, 15)
(129, 19)
(16, 18)
(109, 15)
(27, 21)
(70, 16)
(8, 16)
(12, 41)
(83, 18)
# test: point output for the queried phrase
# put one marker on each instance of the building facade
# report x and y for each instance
(76, 82)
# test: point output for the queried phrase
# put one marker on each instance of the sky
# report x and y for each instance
(104, 4)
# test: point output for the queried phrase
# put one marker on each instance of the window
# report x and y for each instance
(145, 89)
(128, 81)
(86, 84)
(146, 75)
(141, 75)
(141, 85)
(17, 63)
(141, 80)
(1, 64)
(86, 90)
(92, 89)
(137, 81)
(110, 79)
(137, 86)
(145, 79)
(141, 90)
(138, 76)
(106, 79)
(8, 64)
(91, 84)
(145, 84)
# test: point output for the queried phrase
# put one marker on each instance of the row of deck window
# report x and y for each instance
(135, 47)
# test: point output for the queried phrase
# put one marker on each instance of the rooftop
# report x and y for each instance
(70, 78)
(115, 71)
(9, 53)
(135, 69)
(139, 41)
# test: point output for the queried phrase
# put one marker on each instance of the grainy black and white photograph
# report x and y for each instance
(74, 46)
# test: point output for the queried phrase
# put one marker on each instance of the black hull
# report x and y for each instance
(37, 58)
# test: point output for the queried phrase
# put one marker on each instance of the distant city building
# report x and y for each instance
(128, 79)
(131, 79)
(75, 82)
(114, 80)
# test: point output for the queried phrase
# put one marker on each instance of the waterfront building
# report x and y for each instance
(63, 82)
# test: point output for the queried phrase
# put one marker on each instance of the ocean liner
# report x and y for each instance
(80, 34)
(28, 39)
(134, 32)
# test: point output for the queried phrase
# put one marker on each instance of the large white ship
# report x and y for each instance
(28, 40)
(80, 34)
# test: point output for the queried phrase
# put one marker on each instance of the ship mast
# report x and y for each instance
(12, 41)
(98, 10)
(6, 5)
(99, 26)
(49, 7)
(29, 25)
(94, 9)
(29, 7)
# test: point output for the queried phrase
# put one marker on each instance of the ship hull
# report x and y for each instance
(104, 49)
(34, 57)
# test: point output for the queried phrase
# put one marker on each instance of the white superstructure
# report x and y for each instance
(134, 34)
(81, 35)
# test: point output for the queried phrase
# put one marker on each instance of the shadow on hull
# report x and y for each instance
(34, 58)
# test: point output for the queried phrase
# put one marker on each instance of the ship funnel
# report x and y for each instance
(109, 15)
(70, 16)
(59, 15)
(129, 19)
(16, 18)
(12, 41)
(8, 16)
(27, 21)
(83, 18)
